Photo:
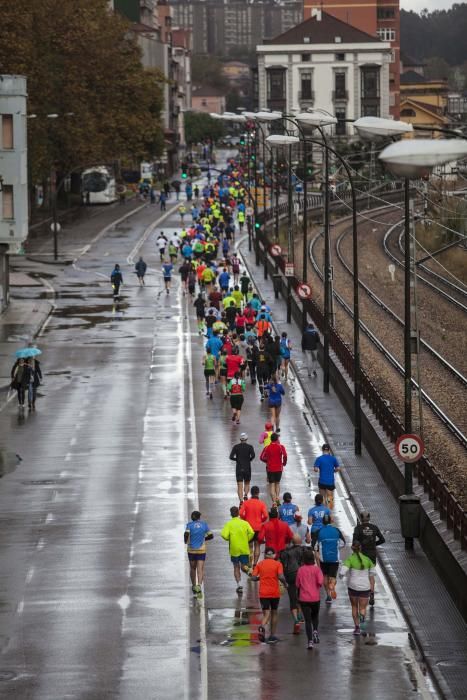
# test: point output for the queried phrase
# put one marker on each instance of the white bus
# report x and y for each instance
(98, 185)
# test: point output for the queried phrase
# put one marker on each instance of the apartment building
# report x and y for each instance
(14, 215)
(328, 64)
(221, 28)
(379, 18)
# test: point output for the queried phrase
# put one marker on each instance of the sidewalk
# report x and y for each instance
(437, 624)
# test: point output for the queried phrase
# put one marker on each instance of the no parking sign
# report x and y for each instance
(304, 291)
(276, 250)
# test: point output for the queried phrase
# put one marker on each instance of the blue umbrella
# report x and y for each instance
(28, 352)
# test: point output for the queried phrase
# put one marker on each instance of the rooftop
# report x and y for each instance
(323, 31)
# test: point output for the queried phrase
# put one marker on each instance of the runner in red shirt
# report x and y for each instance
(275, 457)
(255, 512)
(275, 533)
(234, 363)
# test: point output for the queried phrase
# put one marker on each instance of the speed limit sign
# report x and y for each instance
(304, 291)
(276, 250)
(409, 448)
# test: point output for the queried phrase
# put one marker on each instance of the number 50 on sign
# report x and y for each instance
(409, 448)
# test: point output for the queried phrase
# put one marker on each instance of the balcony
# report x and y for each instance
(306, 98)
(340, 94)
(277, 104)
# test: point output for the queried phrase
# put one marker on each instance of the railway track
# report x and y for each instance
(462, 291)
(377, 300)
(454, 430)
(441, 292)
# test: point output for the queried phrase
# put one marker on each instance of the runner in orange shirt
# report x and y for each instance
(255, 512)
(269, 572)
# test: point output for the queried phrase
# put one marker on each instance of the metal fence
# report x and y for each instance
(444, 501)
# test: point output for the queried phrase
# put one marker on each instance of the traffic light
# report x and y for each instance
(184, 169)
(242, 140)
(257, 225)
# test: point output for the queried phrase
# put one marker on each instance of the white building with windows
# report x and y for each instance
(328, 64)
(13, 173)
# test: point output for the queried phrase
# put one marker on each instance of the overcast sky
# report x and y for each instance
(430, 5)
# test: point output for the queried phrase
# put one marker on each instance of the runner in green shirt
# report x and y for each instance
(238, 534)
(209, 364)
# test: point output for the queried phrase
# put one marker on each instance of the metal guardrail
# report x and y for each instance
(444, 501)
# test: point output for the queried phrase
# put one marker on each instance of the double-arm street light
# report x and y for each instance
(409, 159)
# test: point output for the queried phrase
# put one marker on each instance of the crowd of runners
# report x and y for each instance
(301, 552)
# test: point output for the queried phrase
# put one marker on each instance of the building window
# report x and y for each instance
(385, 13)
(340, 57)
(305, 86)
(386, 34)
(7, 131)
(7, 202)
(341, 125)
(339, 86)
(408, 113)
(370, 83)
(306, 57)
(276, 84)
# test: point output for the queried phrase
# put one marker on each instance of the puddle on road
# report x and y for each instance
(8, 462)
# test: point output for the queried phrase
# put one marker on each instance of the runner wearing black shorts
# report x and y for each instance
(242, 454)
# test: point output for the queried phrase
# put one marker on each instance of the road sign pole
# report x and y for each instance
(409, 448)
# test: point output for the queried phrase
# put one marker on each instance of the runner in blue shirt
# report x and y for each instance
(167, 268)
(224, 280)
(288, 509)
(327, 465)
(196, 533)
(315, 517)
(215, 344)
(328, 545)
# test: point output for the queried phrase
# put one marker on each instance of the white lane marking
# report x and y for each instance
(51, 289)
(50, 518)
(30, 574)
(20, 607)
(41, 544)
(194, 461)
(124, 602)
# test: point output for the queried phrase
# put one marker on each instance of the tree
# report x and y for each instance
(80, 60)
(200, 126)
(207, 70)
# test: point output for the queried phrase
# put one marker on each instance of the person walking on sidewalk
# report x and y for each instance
(254, 510)
(269, 572)
(360, 571)
(163, 201)
(369, 536)
(200, 306)
(328, 540)
(140, 269)
(327, 466)
(197, 532)
(275, 458)
(285, 347)
(238, 534)
(116, 280)
(275, 392)
(310, 340)
(308, 582)
(242, 454)
(20, 380)
(291, 559)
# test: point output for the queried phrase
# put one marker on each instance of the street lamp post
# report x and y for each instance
(278, 140)
(414, 159)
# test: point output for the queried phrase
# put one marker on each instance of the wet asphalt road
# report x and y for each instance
(94, 593)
